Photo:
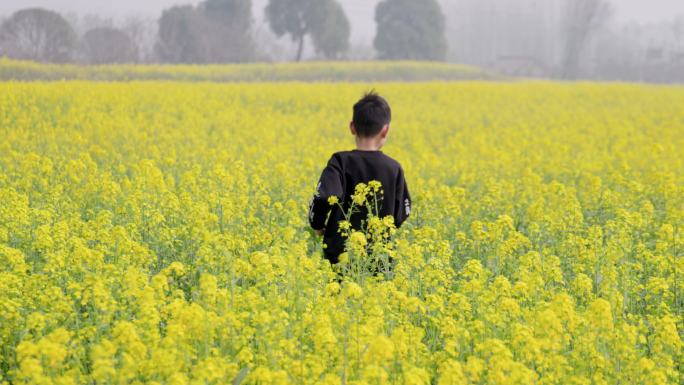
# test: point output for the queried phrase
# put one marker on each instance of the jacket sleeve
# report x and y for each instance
(330, 184)
(402, 205)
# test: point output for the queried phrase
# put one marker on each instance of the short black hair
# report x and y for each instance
(371, 114)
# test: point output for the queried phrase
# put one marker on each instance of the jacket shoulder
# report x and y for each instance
(338, 157)
(341, 154)
(393, 162)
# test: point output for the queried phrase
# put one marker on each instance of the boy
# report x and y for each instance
(370, 125)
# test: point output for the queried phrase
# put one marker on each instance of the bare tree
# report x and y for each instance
(678, 32)
(143, 31)
(37, 34)
(92, 21)
(4, 47)
(582, 19)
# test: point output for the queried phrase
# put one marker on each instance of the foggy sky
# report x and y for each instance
(360, 11)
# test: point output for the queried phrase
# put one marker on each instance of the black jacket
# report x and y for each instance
(339, 178)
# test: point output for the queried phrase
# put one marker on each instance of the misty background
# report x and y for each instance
(632, 40)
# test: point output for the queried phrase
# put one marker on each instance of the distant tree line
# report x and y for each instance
(563, 39)
(221, 31)
(216, 31)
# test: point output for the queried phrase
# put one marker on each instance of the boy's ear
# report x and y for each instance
(352, 128)
(384, 131)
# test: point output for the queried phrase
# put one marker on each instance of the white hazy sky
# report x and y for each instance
(646, 10)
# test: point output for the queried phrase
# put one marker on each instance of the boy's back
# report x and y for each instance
(370, 126)
(344, 171)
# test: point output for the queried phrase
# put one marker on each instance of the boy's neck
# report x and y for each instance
(368, 144)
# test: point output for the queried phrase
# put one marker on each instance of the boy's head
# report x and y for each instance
(372, 116)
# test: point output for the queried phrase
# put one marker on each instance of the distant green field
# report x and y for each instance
(255, 72)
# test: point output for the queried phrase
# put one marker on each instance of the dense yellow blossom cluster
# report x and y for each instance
(156, 233)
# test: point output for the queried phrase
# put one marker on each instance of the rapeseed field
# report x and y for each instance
(156, 232)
